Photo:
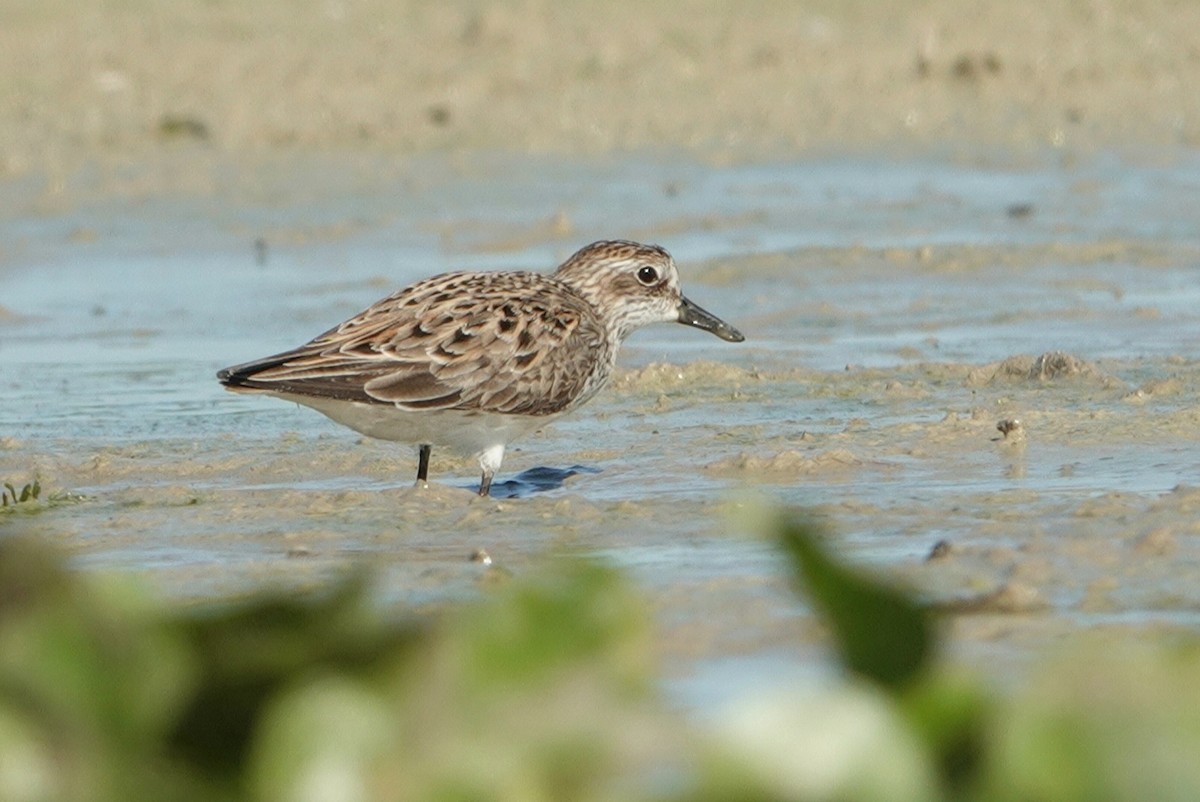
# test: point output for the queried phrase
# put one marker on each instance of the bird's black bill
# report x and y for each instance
(692, 315)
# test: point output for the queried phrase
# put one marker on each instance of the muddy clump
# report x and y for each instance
(1051, 366)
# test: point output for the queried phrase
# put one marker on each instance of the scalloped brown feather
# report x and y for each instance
(454, 341)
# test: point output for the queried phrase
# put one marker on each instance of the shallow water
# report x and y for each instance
(879, 301)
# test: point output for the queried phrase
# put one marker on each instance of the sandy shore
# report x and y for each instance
(121, 84)
(321, 114)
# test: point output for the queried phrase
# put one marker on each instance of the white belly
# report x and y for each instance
(469, 433)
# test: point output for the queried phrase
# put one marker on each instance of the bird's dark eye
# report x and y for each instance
(647, 275)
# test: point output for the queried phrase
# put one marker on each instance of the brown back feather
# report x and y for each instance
(519, 343)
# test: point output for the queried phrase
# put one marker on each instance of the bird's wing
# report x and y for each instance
(492, 342)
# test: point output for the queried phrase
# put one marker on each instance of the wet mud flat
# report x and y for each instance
(1001, 412)
(1079, 524)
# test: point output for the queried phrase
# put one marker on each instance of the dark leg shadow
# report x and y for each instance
(536, 480)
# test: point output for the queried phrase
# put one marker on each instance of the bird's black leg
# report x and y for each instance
(485, 484)
(423, 463)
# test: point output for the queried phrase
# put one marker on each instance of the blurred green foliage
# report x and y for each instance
(881, 632)
(545, 690)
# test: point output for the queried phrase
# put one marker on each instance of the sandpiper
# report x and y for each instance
(471, 361)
